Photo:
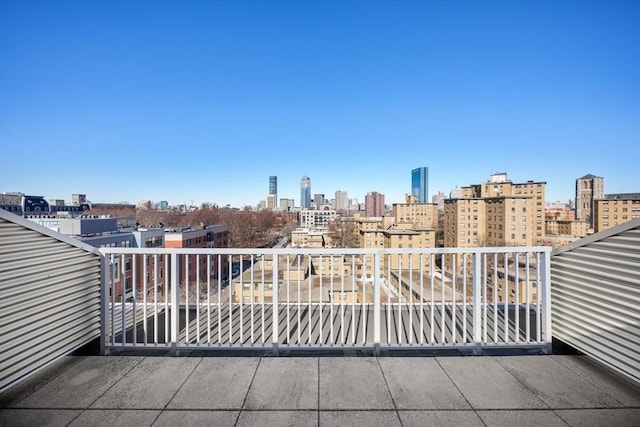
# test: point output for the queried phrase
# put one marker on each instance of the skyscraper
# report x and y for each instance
(305, 192)
(420, 184)
(273, 188)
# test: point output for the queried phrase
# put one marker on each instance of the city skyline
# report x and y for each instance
(203, 102)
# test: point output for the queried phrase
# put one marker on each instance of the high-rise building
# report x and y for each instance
(318, 199)
(342, 201)
(496, 213)
(420, 184)
(273, 189)
(374, 204)
(305, 192)
(588, 189)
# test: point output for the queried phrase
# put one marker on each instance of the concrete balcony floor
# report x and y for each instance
(531, 390)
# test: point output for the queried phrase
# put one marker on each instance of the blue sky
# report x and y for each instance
(203, 100)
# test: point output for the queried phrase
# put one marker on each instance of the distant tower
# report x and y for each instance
(273, 188)
(271, 202)
(374, 204)
(78, 199)
(341, 201)
(439, 200)
(305, 192)
(588, 189)
(420, 184)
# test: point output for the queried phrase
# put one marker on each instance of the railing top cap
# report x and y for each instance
(323, 251)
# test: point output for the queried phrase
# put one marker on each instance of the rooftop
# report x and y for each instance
(327, 391)
(57, 294)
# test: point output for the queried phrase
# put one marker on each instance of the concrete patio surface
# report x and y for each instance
(536, 390)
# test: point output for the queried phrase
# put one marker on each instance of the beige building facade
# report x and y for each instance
(567, 227)
(500, 186)
(420, 215)
(615, 209)
(306, 238)
(465, 223)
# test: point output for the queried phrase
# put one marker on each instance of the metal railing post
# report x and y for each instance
(174, 302)
(274, 306)
(376, 303)
(104, 304)
(546, 302)
(477, 309)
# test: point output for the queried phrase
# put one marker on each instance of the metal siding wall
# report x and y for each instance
(49, 300)
(595, 290)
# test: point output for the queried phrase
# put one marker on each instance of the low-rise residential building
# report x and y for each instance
(567, 227)
(210, 236)
(308, 238)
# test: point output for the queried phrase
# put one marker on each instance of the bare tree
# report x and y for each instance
(344, 233)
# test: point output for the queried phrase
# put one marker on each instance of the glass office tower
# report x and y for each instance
(420, 184)
(305, 192)
(273, 185)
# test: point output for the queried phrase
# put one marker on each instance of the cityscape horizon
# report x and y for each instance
(201, 102)
(328, 196)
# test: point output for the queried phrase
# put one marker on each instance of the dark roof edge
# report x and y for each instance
(16, 219)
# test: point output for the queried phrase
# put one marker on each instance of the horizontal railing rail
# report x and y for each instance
(464, 298)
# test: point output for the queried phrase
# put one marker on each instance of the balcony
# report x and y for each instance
(288, 299)
(381, 311)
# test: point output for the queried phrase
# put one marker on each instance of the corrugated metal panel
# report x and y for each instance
(49, 297)
(595, 297)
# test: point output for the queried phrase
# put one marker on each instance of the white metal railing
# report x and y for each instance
(178, 299)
